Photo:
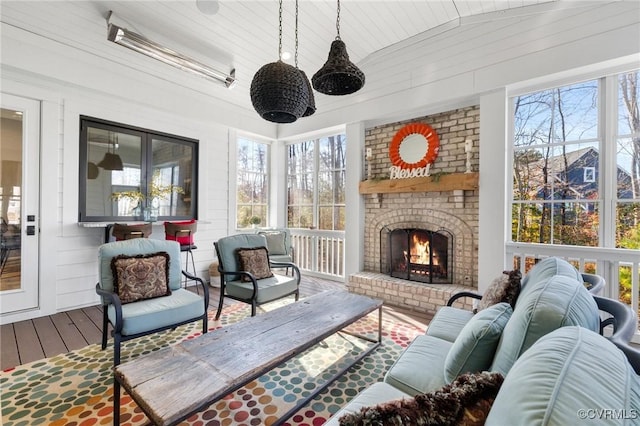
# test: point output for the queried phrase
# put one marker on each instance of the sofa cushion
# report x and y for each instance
(374, 394)
(566, 378)
(448, 322)
(466, 401)
(139, 277)
(419, 368)
(475, 347)
(271, 288)
(556, 302)
(150, 314)
(547, 268)
(504, 288)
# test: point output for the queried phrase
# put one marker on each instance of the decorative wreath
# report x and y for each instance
(433, 145)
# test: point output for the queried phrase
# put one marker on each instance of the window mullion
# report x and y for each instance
(608, 115)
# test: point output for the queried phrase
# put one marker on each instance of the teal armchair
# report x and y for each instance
(147, 315)
(241, 284)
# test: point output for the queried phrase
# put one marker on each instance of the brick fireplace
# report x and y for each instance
(445, 204)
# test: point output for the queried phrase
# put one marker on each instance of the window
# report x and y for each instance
(252, 184)
(560, 186)
(627, 232)
(315, 182)
(127, 173)
(589, 174)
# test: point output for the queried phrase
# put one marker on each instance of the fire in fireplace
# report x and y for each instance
(420, 255)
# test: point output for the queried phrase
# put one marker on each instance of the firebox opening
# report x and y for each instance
(419, 255)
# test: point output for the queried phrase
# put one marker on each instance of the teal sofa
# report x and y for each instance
(553, 296)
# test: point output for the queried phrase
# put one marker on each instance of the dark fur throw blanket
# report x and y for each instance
(466, 401)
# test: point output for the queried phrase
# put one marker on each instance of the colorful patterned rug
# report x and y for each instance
(76, 388)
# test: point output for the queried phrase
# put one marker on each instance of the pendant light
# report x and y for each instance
(278, 90)
(338, 76)
(111, 160)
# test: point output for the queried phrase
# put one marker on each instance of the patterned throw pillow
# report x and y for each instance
(255, 261)
(466, 401)
(505, 288)
(139, 277)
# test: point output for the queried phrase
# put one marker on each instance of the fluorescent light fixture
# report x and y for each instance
(141, 44)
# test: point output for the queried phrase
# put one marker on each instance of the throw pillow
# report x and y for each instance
(466, 401)
(505, 288)
(275, 243)
(255, 261)
(474, 348)
(139, 277)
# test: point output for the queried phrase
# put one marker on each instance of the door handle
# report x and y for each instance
(31, 230)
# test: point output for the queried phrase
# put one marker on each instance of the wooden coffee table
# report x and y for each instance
(175, 382)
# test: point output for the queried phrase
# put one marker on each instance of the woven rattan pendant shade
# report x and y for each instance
(311, 105)
(338, 76)
(279, 92)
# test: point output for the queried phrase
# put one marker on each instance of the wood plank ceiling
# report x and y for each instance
(243, 34)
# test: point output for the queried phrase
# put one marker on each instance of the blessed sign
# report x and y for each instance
(412, 151)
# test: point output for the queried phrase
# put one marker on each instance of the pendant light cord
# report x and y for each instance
(280, 32)
(296, 54)
(338, 22)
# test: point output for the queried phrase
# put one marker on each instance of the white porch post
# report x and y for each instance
(354, 221)
(494, 226)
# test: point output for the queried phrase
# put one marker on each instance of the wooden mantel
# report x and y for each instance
(448, 182)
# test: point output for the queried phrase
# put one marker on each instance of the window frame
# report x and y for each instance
(608, 137)
(268, 174)
(316, 202)
(146, 167)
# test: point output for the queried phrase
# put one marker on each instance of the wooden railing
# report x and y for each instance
(319, 252)
(614, 265)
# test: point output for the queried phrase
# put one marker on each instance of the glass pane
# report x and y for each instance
(556, 173)
(113, 173)
(628, 225)
(332, 152)
(628, 103)
(325, 188)
(531, 222)
(575, 224)
(11, 136)
(252, 185)
(172, 176)
(325, 217)
(568, 113)
(628, 159)
(301, 158)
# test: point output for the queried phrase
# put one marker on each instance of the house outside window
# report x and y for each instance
(589, 174)
(559, 181)
(315, 183)
(252, 184)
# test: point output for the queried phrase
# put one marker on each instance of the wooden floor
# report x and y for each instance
(31, 340)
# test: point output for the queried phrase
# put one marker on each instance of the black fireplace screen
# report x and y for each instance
(419, 255)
